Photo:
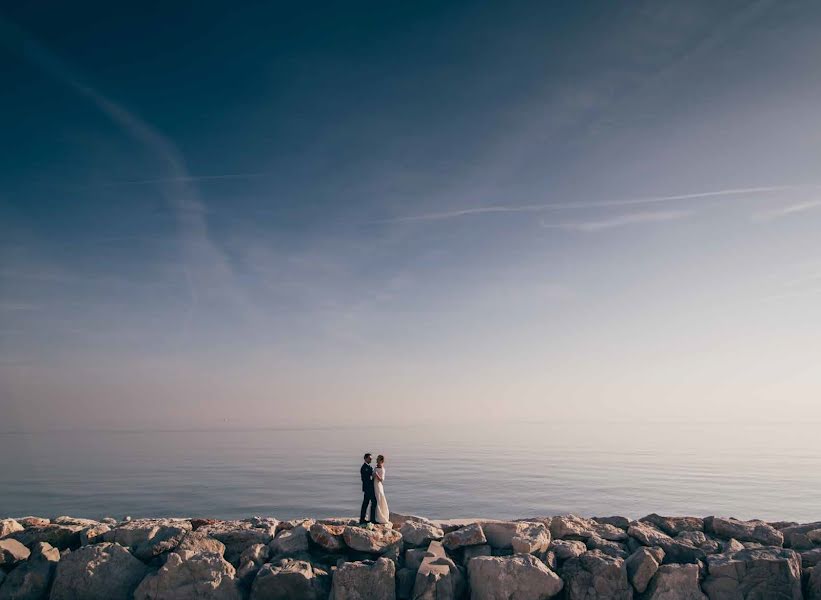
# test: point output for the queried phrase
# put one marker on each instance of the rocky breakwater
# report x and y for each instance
(413, 558)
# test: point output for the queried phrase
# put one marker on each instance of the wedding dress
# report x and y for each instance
(382, 511)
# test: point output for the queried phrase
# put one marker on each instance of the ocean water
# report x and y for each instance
(770, 471)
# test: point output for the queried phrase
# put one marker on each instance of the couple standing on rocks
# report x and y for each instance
(373, 488)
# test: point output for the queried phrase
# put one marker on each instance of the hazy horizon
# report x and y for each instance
(273, 215)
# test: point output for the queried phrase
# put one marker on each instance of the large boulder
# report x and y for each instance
(147, 538)
(91, 534)
(744, 531)
(596, 576)
(673, 526)
(290, 542)
(239, 535)
(794, 533)
(33, 522)
(566, 549)
(197, 542)
(364, 580)
(642, 565)
(251, 561)
(616, 521)
(616, 549)
(9, 526)
(104, 571)
(189, 576)
(814, 585)
(417, 533)
(648, 535)
(520, 577)
(471, 535)
(754, 573)
(811, 558)
(523, 537)
(290, 579)
(570, 526)
(675, 582)
(64, 520)
(377, 540)
(438, 578)
(59, 536)
(12, 552)
(328, 537)
(398, 519)
(32, 579)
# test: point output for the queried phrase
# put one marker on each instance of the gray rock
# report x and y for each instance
(520, 577)
(9, 526)
(566, 549)
(815, 536)
(648, 535)
(290, 579)
(469, 552)
(754, 573)
(641, 566)
(793, 532)
(472, 535)
(616, 549)
(673, 526)
(814, 584)
(397, 520)
(59, 536)
(438, 578)
(621, 522)
(570, 526)
(744, 531)
(675, 582)
(364, 580)
(529, 538)
(32, 579)
(239, 535)
(147, 538)
(33, 522)
(731, 545)
(328, 537)
(197, 541)
(405, 578)
(64, 520)
(251, 561)
(90, 533)
(97, 572)
(190, 576)
(596, 576)
(811, 558)
(12, 552)
(417, 534)
(290, 542)
(375, 541)
(500, 534)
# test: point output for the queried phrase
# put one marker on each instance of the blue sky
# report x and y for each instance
(268, 214)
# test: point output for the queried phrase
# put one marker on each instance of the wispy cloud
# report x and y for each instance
(565, 206)
(784, 211)
(621, 221)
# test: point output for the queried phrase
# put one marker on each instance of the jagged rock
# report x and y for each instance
(641, 566)
(59, 536)
(376, 540)
(196, 541)
(565, 526)
(9, 526)
(744, 531)
(566, 549)
(89, 534)
(397, 520)
(147, 538)
(811, 558)
(731, 545)
(520, 577)
(239, 535)
(648, 535)
(364, 580)
(190, 576)
(471, 535)
(110, 521)
(251, 560)
(31, 580)
(33, 522)
(793, 532)
(698, 539)
(405, 578)
(596, 576)
(675, 582)
(754, 573)
(616, 549)
(290, 579)
(469, 552)
(12, 552)
(64, 520)
(523, 537)
(258, 522)
(416, 533)
(815, 536)
(98, 572)
(290, 542)
(621, 522)
(673, 526)
(328, 537)
(2, 576)
(438, 578)
(814, 584)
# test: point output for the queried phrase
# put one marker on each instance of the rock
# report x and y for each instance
(471, 535)
(815, 536)
(375, 541)
(364, 580)
(111, 522)
(731, 545)
(520, 577)
(290, 542)
(675, 582)
(98, 572)
(251, 560)
(414, 557)
(616, 549)
(75, 521)
(328, 537)
(397, 520)
(290, 579)
(792, 532)
(9, 526)
(12, 552)
(32, 579)
(59, 536)
(33, 522)
(438, 578)
(469, 552)
(89, 534)
(258, 522)
(147, 538)
(191, 576)
(405, 578)
(754, 573)
(2, 576)
(566, 549)
(744, 531)
(417, 534)
(596, 576)
(565, 526)
(197, 541)
(641, 566)
(238, 535)
(814, 585)
(648, 535)
(621, 522)
(811, 558)
(523, 537)
(673, 526)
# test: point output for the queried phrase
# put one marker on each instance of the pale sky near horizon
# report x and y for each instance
(275, 214)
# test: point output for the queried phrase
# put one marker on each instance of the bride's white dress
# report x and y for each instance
(382, 511)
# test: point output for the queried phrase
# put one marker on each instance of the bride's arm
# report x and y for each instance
(379, 474)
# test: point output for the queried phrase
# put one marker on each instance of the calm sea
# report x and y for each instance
(769, 471)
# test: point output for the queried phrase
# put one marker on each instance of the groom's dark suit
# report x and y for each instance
(366, 473)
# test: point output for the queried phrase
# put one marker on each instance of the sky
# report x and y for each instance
(272, 215)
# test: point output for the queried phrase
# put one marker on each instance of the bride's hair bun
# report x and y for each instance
(380, 458)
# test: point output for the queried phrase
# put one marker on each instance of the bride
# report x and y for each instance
(382, 511)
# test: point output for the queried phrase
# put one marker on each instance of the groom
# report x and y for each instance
(366, 473)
